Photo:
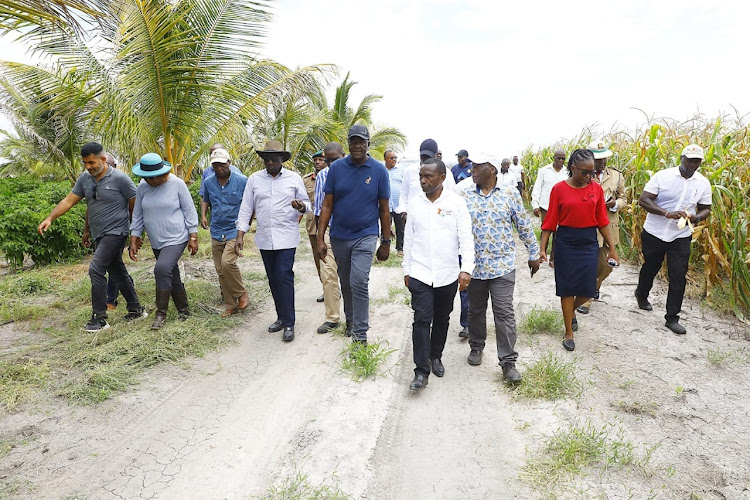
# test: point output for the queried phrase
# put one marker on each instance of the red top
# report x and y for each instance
(576, 207)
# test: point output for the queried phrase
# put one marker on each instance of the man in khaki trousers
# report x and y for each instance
(613, 185)
(223, 194)
(310, 224)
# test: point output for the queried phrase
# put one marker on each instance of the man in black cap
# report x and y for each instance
(357, 190)
(462, 169)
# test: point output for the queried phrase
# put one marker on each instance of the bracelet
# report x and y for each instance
(194, 239)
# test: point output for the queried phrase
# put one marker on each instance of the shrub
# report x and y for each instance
(27, 203)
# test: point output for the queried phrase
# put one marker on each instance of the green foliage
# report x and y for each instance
(194, 189)
(26, 203)
(549, 378)
(362, 360)
(299, 488)
(20, 379)
(542, 320)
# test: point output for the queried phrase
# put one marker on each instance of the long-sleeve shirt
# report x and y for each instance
(411, 187)
(396, 178)
(320, 182)
(492, 219)
(546, 178)
(167, 212)
(270, 198)
(436, 233)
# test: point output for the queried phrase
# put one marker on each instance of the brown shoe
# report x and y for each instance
(228, 312)
(244, 302)
(111, 307)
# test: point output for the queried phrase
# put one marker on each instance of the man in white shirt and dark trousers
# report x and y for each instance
(675, 199)
(438, 229)
(275, 197)
(546, 178)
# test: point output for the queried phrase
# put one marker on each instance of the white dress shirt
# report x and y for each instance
(674, 193)
(411, 187)
(546, 178)
(508, 178)
(518, 170)
(436, 233)
(269, 199)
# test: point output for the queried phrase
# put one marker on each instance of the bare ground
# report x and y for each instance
(246, 418)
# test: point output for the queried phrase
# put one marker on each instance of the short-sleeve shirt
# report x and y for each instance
(225, 204)
(673, 193)
(108, 202)
(209, 172)
(356, 193)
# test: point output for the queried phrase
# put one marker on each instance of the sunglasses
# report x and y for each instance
(95, 191)
(586, 173)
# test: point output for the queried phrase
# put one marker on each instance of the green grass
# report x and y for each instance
(298, 487)
(90, 367)
(362, 361)
(549, 378)
(393, 260)
(397, 294)
(719, 357)
(542, 320)
(572, 451)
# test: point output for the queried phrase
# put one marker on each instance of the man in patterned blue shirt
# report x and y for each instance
(495, 209)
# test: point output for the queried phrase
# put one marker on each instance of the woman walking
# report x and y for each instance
(164, 207)
(576, 209)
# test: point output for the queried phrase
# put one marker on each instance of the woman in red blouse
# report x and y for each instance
(576, 209)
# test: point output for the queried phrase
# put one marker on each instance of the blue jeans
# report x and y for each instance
(354, 260)
(278, 264)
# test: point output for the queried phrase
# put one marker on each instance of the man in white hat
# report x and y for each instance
(675, 199)
(613, 185)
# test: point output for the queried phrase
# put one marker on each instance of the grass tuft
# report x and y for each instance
(298, 487)
(542, 320)
(393, 260)
(570, 451)
(720, 358)
(362, 360)
(549, 378)
(20, 380)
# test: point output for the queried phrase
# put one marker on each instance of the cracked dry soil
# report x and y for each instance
(240, 420)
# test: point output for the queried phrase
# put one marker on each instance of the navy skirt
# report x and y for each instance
(576, 256)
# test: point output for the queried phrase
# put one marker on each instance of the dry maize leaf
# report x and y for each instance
(717, 253)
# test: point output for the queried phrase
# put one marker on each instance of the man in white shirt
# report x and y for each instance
(675, 199)
(411, 186)
(276, 197)
(507, 176)
(546, 178)
(437, 231)
(517, 168)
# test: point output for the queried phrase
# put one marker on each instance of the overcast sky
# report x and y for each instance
(501, 76)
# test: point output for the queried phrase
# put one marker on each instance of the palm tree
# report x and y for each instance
(165, 76)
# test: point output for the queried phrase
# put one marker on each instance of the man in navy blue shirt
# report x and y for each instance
(222, 192)
(462, 169)
(357, 190)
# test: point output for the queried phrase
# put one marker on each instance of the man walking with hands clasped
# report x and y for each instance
(437, 231)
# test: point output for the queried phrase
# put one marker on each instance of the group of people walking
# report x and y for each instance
(454, 229)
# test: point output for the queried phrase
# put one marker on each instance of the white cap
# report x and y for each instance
(600, 150)
(692, 151)
(486, 158)
(220, 155)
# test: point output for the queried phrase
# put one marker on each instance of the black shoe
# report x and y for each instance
(676, 327)
(288, 335)
(511, 374)
(437, 367)
(475, 357)
(327, 327)
(574, 324)
(96, 324)
(348, 330)
(419, 382)
(140, 313)
(596, 295)
(582, 309)
(320, 299)
(276, 326)
(643, 303)
(464, 333)
(569, 344)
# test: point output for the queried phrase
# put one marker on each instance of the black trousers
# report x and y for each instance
(108, 259)
(399, 222)
(678, 255)
(432, 309)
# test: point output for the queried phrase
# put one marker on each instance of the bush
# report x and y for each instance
(194, 189)
(27, 203)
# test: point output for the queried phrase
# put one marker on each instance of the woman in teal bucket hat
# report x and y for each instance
(165, 209)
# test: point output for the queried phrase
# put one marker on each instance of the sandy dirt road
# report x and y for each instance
(243, 419)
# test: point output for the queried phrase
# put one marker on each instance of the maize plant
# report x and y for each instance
(721, 244)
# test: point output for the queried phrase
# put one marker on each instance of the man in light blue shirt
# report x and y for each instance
(223, 194)
(276, 197)
(396, 177)
(209, 171)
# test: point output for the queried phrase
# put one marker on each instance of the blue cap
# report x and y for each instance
(151, 165)
(428, 147)
(359, 131)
